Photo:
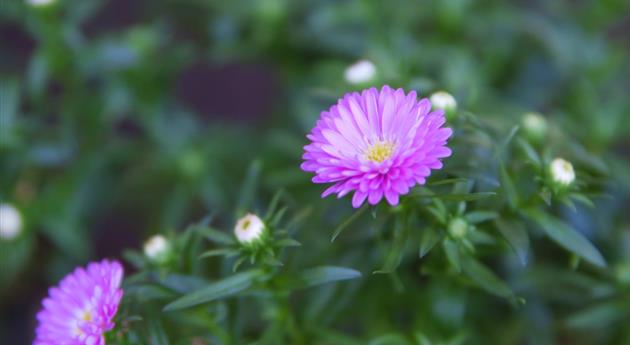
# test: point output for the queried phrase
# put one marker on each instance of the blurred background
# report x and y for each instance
(120, 119)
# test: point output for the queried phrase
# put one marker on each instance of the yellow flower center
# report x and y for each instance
(380, 151)
(86, 316)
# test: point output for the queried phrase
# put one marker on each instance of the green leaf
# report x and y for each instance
(218, 252)
(582, 199)
(530, 152)
(325, 274)
(485, 278)
(452, 254)
(480, 216)
(566, 237)
(507, 185)
(448, 181)
(516, 236)
(215, 235)
(273, 205)
(347, 222)
(507, 140)
(600, 315)
(397, 250)
(428, 240)
(248, 190)
(157, 335)
(458, 196)
(288, 242)
(214, 291)
(275, 220)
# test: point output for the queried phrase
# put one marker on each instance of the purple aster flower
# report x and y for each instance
(376, 143)
(82, 307)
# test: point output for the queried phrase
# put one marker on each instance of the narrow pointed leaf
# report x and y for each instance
(480, 216)
(214, 291)
(347, 222)
(428, 240)
(485, 278)
(516, 236)
(567, 237)
(326, 274)
(452, 254)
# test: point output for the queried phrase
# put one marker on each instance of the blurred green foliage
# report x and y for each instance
(120, 119)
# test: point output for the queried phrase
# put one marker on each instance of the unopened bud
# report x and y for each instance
(362, 71)
(561, 172)
(10, 222)
(249, 229)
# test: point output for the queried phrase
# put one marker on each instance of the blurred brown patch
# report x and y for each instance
(16, 45)
(114, 15)
(239, 92)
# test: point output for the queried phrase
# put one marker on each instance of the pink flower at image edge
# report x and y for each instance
(376, 144)
(82, 307)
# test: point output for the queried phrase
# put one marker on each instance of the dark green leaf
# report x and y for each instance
(480, 216)
(347, 222)
(215, 235)
(248, 189)
(485, 278)
(288, 242)
(214, 291)
(428, 240)
(458, 197)
(507, 185)
(452, 254)
(396, 251)
(218, 252)
(516, 236)
(325, 274)
(566, 237)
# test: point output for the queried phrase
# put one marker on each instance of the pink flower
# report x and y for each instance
(376, 144)
(82, 307)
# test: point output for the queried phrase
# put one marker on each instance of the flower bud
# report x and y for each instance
(534, 126)
(10, 222)
(561, 172)
(458, 228)
(362, 71)
(249, 229)
(157, 249)
(37, 3)
(445, 101)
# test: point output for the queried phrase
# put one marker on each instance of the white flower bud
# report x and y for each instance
(39, 2)
(534, 126)
(157, 248)
(10, 222)
(360, 72)
(561, 172)
(457, 228)
(443, 100)
(249, 228)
